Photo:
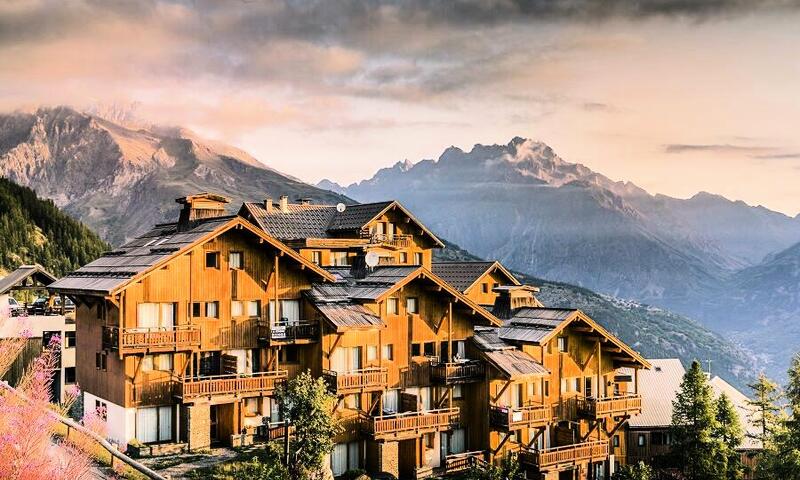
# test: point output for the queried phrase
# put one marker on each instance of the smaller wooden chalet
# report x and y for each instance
(478, 280)
(333, 235)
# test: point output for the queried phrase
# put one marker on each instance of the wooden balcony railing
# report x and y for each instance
(424, 471)
(457, 372)
(241, 385)
(153, 392)
(630, 404)
(298, 332)
(355, 381)
(526, 416)
(411, 424)
(568, 455)
(138, 340)
(396, 240)
(461, 462)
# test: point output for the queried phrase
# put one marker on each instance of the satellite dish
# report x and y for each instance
(340, 207)
(371, 258)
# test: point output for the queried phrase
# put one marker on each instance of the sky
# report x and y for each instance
(676, 96)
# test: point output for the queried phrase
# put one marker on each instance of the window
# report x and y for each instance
(289, 354)
(353, 401)
(458, 392)
(101, 409)
(48, 337)
(485, 287)
(564, 385)
(562, 344)
(416, 349)
(547, 388)
(154, 424)
(212, 309)
(430, 438)
(372, 353)
(430, 349)
(412, 305)
(616, 441)
(346, 456)
(236, 260)
(69, 375)
(212, 259)
(251, 407)
(495, 285)
(418, 258)
(161, 361)
(236, 309)
(155, 315)
(578, 384)
(388, 352)
(587, 386)
(196, 309)
(316, 257)
(340, 259)
(100, 360)
(392, 306)
(403, 258)
(390, 401)
(253, 308)
(642, 441)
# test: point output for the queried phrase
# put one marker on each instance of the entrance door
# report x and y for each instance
(213, 414)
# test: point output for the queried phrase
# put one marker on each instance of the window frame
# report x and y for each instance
(212, 254)
(393, 301)
(415, 302)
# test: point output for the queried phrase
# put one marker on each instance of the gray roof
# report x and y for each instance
(510, 361)
(301, 221)
(372, 286)
(532, 324)
(356, 216)
(19, 276)
(114, 269)
(747, 413)
(349, 315)
(461, 275)
(658, 387)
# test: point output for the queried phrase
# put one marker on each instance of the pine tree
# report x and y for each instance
(730, 433)
(701, 455)
(780, 433)
(765, 403)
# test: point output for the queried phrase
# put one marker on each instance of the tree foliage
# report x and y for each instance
(33, 230)
(640, 471)
(508, 469)
(308, 405)
(729, 431)
(780, 432)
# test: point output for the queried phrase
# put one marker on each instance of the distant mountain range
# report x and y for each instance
(524, 205)
(520, 203)
(120, 180)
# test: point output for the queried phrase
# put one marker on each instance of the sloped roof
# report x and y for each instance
(658, 388)
(532, 324)
(344, 316)
(24, 272)
(747, 413)
(115, 269)
(513, 363)
(463, 275)
(302, 221)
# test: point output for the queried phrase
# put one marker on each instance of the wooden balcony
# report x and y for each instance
(356, 381)
(618, 406)
(289, 333)
(461, 462)
(407, 425)
(397, 240)
(568, 456)
(241, 385)
(152, 392)
(144, 340)
(457, 372)
(526, 416)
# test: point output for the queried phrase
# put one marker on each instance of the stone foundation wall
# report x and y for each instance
(197, 426)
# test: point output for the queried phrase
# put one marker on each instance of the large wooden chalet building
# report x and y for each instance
(185, 332)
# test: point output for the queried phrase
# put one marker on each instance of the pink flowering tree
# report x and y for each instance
(29, 449)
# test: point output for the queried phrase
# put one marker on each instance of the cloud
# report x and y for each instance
(778, 156)
(717, 148)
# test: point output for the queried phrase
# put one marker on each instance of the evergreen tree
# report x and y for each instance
(765, 403)
(780, 433)
(701, 455)
(730, 433)
(640, 471)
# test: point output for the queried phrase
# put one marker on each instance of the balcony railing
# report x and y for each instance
(285, 332)
(457, 372)
(239, 385)
(526, 416)
(355, 381)
(630, 404)
(137, 340)
(461, 462)
(411, 424)
(153, 392)
(396, 240)
(566, 456)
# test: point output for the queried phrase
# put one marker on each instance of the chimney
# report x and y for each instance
(358, 266)
(502, 304)
(268, 204)
(284, 202)
(510, 298)
(198, 207)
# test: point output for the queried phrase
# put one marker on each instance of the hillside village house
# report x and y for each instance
(40, 327)
(188, 329)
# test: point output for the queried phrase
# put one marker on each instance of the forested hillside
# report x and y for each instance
(33, 230)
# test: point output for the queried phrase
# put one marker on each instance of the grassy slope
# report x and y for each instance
(654, 332)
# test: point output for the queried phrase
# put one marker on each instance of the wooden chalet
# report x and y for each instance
(436, 366)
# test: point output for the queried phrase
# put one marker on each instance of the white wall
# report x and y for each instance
(120, 421)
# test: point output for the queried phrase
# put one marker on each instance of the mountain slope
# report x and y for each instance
(35, 231)
(524, 205)
(119, 180)
(654, 332)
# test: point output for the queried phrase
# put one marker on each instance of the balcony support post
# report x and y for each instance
(636, 381)
(600, 387)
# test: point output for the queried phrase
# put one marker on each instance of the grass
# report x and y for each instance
(98, 453)
(228, 469)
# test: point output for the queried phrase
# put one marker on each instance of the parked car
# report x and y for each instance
(38, 307)
(42, 306)
(14, 308)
